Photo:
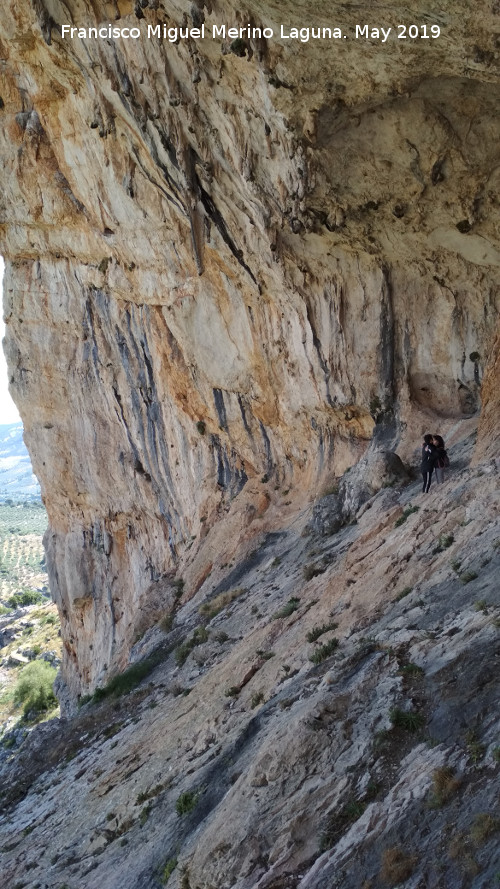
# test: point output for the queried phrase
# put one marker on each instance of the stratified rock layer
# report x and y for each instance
(228, 263)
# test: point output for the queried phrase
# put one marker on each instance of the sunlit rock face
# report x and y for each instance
(233, 261)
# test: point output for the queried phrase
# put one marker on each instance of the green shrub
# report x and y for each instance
(288, 608)
(323, 651)
(412, 671)
(408, 720)
(444, 784)
(311, 571)
(397, 865)
(467, 576)
(27, 597)
(446, 540)
(49, 619)
(183, 651)
(316, 632)
(404, 592)
(406, 514)
(111, 730)
(168, 869)
(342, 818)
(484, 826)
(340, 821)
(331, 489)
(167, 621)
(201, 427)
(211, 608)
(178, 587)
(126, 681)
(475, 749)
(186, 802)
(145, 795)
(34, 688)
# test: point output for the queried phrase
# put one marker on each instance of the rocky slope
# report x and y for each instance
(233, 260)
(322, 713)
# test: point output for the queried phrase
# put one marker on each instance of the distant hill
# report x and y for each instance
(17, 481)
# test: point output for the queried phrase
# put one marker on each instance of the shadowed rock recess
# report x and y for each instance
(240, 275)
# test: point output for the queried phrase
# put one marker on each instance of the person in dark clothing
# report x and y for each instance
(441, 459)
(429, 454)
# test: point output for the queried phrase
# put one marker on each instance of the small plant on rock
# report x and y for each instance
(341, 820)
(182, 652)
(130, 678)
(407, 720)
(287, 609)
(404, 592)
(397, 865)
(411, 671)
(178, 586)
(475, 749)
(323, 651)
(167, 622)
(186, 802)
(150, 794)
(484, 826)
(331, 489)
(405, 515)
(211, 608)
(316, 632)
(257, 699)
(444, 784)
(467, 576)
(168, 869)
(311, 571)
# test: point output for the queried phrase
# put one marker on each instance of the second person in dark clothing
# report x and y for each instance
(429, 455)
(441, 461)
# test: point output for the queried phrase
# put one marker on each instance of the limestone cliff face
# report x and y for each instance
(229, 262)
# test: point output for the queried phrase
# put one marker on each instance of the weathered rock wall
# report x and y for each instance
(223, 267)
